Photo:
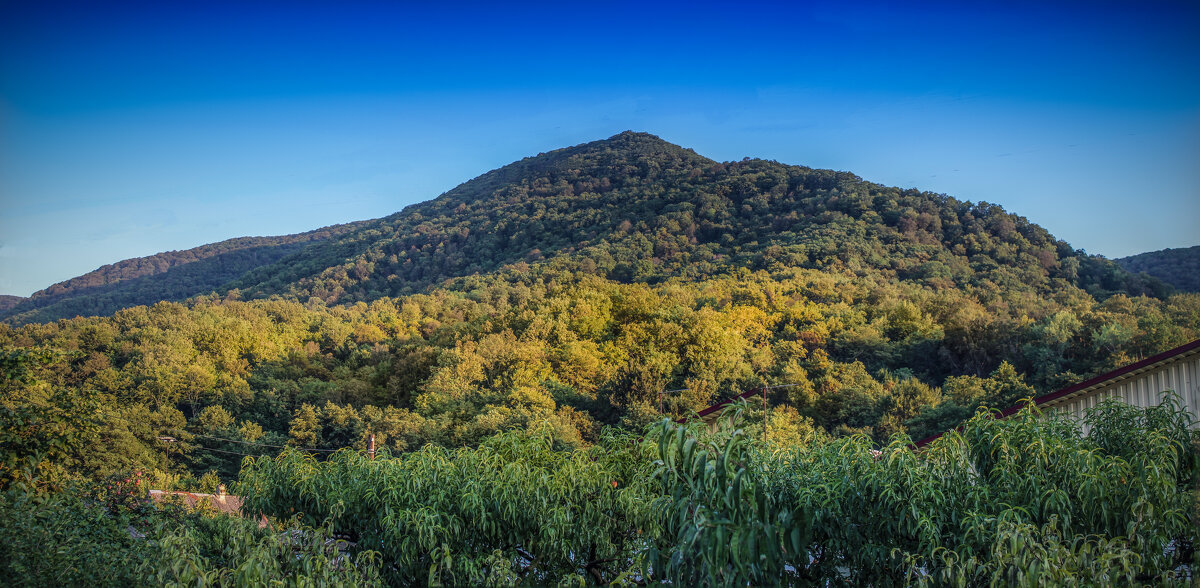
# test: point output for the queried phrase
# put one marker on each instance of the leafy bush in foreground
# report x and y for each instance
(1026, 500)
(514, 509)
(67, 539)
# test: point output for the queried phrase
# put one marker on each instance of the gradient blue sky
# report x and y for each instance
(128, 129)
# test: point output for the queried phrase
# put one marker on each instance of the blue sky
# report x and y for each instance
(128, 129)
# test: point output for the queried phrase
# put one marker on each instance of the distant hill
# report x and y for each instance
(172, 275)
(1177, 267)
(7, 301)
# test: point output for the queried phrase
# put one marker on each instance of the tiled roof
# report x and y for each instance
(226, 503)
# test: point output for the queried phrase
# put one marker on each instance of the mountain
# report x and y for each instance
(1177, 267)
(630, 208)
(536, 208)
(172, 275)
(8, 301)
(607, 283)
(636, 208)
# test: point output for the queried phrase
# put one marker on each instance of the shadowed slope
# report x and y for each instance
(1177, 267)
(172, 275)
(631, 208)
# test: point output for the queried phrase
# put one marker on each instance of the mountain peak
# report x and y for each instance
(603, 157)
(636, 136)
(641, 142)
(629, 146)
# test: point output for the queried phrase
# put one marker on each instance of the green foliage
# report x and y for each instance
(964, 395)
(719, 525)
(224, 551)
(61, 539)
(513, 509)
(1120, 429)
(115, 536)
(494, 353)
(609, 283)
(488, 337)
(40, 429)
(1178, 267)
(173, 275)
(1026, 500)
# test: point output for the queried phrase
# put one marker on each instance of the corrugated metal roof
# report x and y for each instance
(1117, 375)
(1103, 380)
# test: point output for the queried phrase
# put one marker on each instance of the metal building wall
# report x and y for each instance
(1146, 389)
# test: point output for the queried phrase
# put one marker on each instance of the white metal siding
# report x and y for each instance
(1146, 389)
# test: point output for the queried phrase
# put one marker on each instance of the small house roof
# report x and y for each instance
(226, 503)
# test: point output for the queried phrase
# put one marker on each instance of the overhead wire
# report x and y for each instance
(224, 451)
(253, 443)
(781, 386)
(736, 395)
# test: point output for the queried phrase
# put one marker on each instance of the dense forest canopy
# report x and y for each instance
(1178, 267)
(631, 208)
(581, 287)
(568, 298)
(7, 301)
(634, 208)
(173, 275)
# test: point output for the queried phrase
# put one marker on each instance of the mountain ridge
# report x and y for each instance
(1179, 267)
(609, 158)
(613, 283)
(170, 275)
(8, 301)
(632, 207)
(670, 190)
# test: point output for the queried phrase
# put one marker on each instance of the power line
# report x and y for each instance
(223, 451)
(255, 444)
(781, 386)
(736, 395)
(251, 443)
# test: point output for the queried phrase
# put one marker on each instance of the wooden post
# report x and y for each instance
(764, 413)
(371, 445)
(167, 441)
(660, 395)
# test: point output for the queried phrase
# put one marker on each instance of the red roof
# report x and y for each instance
(226, 503)
(721, 405)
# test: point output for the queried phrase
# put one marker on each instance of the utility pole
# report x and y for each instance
(764, 413)
(166, 451)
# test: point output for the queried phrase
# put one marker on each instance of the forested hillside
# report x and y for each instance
(576, 294)
(582, 286)
(632, 208)
(1177, 267)
(635, 208)
(7, 302)
(173, 275)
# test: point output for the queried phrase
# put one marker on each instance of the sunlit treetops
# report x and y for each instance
(588, 287)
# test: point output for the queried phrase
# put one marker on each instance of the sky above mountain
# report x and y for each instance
(127, 129)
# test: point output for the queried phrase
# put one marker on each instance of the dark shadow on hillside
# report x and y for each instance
(175, 284)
